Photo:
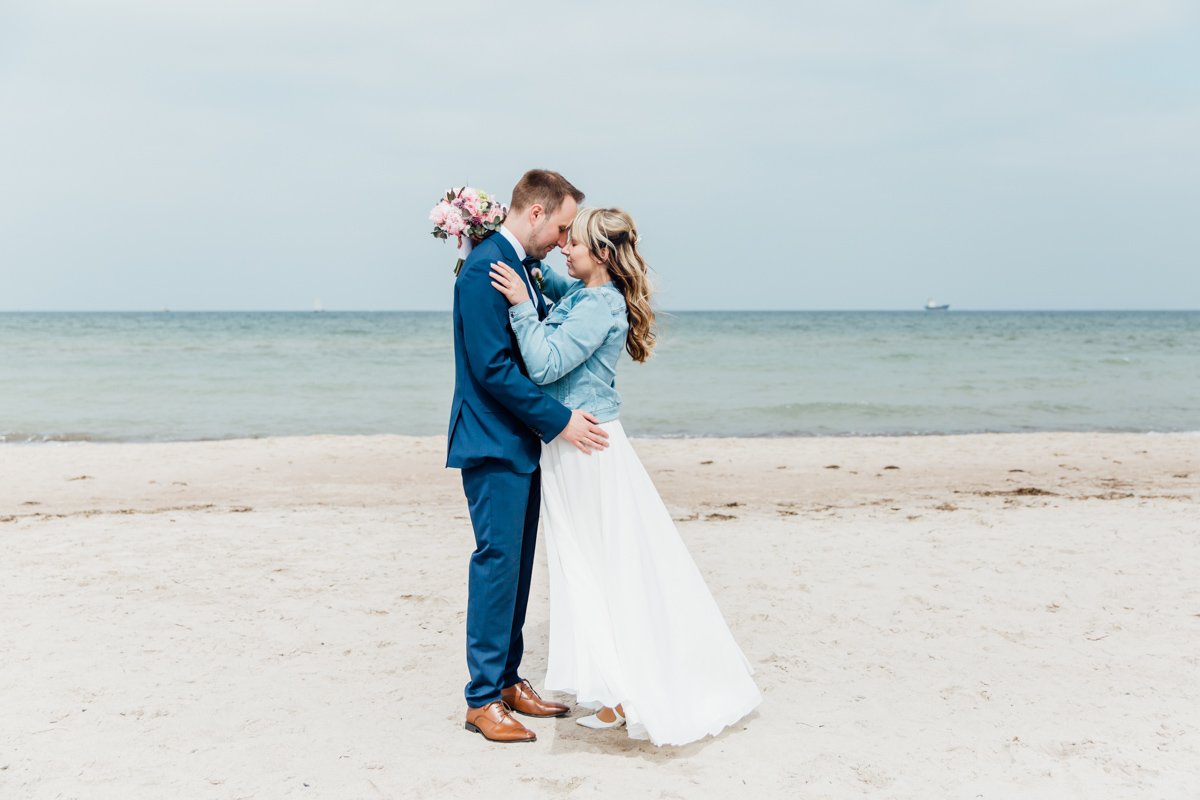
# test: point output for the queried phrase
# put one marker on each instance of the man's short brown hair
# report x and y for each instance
(541, 187)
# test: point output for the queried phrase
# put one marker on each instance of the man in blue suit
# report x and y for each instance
(496, 420)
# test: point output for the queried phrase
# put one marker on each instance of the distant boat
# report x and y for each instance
(934, 305)
(317, 305)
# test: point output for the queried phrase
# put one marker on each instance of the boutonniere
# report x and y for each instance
(536, 274)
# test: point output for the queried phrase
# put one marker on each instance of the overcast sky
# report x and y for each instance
(251, 154)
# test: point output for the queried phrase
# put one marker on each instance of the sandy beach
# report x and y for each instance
(991, 616)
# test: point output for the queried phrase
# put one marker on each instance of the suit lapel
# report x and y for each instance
(510, 256)
(540, 301)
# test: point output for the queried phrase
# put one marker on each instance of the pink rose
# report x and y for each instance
(440, 212)
(454, 223)
(471, 204)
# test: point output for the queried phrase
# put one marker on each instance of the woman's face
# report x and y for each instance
(580, 262)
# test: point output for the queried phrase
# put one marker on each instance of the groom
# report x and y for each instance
(497, 417)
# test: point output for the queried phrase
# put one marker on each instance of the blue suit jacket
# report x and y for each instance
(497, 413)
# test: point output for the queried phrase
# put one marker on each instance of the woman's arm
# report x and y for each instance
(549, 353)
(492, 360)
(554, 285)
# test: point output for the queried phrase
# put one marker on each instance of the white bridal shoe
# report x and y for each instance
(594, 720)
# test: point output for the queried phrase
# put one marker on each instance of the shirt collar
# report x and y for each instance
(507, 234)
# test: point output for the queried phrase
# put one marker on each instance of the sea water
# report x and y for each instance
(108, 377)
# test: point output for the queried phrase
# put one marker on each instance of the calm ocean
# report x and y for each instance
(167, 376)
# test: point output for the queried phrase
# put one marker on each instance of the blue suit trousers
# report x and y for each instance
(504, 512)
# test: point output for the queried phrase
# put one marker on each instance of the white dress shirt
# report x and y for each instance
(507, 234)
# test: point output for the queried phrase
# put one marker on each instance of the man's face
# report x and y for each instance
(551, 231)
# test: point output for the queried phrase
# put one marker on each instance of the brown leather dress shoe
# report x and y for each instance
(496, 724)
(522, 699)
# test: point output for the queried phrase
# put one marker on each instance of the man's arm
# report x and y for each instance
(489, 354)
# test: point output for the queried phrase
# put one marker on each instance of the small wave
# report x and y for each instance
(46, 438)
(643, 432)
(861, 409)
(88, 438)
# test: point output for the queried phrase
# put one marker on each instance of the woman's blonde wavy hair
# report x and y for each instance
(610, 235)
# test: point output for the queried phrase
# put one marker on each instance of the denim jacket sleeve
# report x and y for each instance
(551, 353)
(556, 286)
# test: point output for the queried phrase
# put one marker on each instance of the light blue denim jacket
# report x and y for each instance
(572, 354)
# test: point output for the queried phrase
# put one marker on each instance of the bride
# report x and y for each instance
(634, 632)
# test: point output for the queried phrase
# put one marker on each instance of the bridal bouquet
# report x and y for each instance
(469, 215)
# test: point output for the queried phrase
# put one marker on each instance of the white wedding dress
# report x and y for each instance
(631, 619)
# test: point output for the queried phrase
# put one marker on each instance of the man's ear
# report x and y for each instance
(536, 211)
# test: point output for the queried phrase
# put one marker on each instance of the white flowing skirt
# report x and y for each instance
(631, 619)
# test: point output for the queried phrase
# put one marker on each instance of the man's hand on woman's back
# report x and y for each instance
(584, 432)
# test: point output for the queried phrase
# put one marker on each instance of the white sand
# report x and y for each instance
(240, 619)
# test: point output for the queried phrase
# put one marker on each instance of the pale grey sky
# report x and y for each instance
(256, 154)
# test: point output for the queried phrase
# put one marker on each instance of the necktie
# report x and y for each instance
(538, 303)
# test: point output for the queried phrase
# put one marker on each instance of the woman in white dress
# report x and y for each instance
(634, 632)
